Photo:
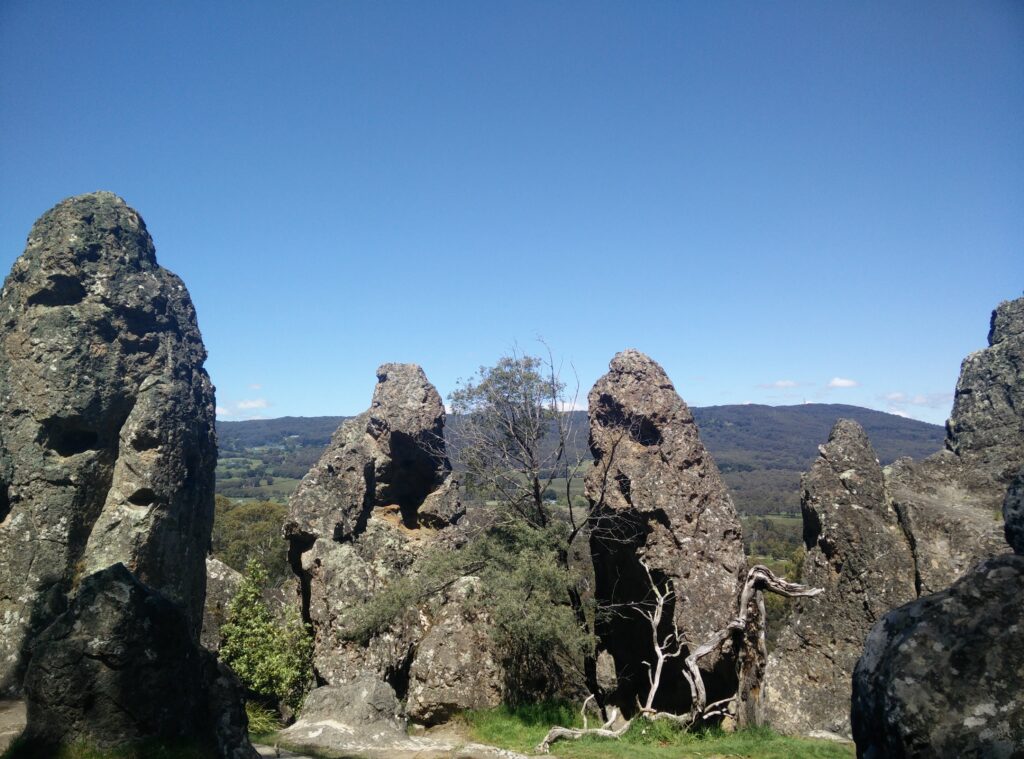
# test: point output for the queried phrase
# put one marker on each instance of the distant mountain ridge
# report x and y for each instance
(761, 450)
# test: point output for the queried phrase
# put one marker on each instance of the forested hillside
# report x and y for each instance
(761, 450)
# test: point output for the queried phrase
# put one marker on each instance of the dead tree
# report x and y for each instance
(759, 579)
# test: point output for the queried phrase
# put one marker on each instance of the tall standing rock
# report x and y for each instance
(107, 442)
(856, 552)
(949, 503)
(658, 498)
(380, 496)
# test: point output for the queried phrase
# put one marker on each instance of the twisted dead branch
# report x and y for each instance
(759, 579)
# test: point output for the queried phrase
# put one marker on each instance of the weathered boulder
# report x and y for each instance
(856, 552)
(950, 523)
(362, 713)
(456, 667)
(107, 443)
(659, 499)
(381, 495)
(120, 666)
(1013, 514)
(941, 675)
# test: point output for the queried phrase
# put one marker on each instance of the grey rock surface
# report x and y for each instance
(364, 712)
(949, 503)
(1013, 514)
(940, 676)
(456, 667)
(381, 496)
(660, 499)
(107, 443)
(120, 666)
(856, 552)
(986, 428)
(222, 583)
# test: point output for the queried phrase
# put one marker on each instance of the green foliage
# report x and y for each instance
(522, 728)
(243, 529)
(506, 415)
(523, 589)
(262, 721)
(273, 660)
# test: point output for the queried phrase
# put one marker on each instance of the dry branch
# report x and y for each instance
(759, 579)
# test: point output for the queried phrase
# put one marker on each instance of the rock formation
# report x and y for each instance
(857, 552)
(949, 503)
(381, 494)
(658, 498)
(947, 508)
(941, 675)
(107, 443)
(120, 666)
(222, 583)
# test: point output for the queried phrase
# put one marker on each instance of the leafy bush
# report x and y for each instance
(274, 661)
(242, 529)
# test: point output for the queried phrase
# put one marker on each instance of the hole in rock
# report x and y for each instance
(61, 290)
(5, 502)
(142, 497)
(69, 436)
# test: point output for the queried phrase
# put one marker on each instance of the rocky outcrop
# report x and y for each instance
(107, 443)
(856, 552)
(120, 666)
(658, 498)
(456, 664)
(378, 499)
(941, 676)
(949, 503)
(947, 508)
(986, 428)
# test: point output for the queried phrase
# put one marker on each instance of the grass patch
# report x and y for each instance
(522, 728)
(263, 722)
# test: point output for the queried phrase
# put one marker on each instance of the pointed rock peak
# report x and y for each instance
(1007, 321)
(638, 366)
(403, 386)
(89, 231)
(847, 442)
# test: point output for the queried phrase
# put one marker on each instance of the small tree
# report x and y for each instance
(273, 660)
(510, 435)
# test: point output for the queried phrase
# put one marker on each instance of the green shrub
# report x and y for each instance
(273, 660)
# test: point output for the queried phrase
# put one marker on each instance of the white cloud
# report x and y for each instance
(221, 411)
(255, 386)
(251, 404)
(781, 384)
(898, 412)
(842, 382)
(895, 397)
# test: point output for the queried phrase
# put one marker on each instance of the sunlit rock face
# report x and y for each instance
(380, 497)
(107, 442)
(857, 553)
(658, 499)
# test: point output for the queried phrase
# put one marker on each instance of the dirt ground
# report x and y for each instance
(12, 721)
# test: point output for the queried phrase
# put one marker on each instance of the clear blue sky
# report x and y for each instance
(765, 197)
